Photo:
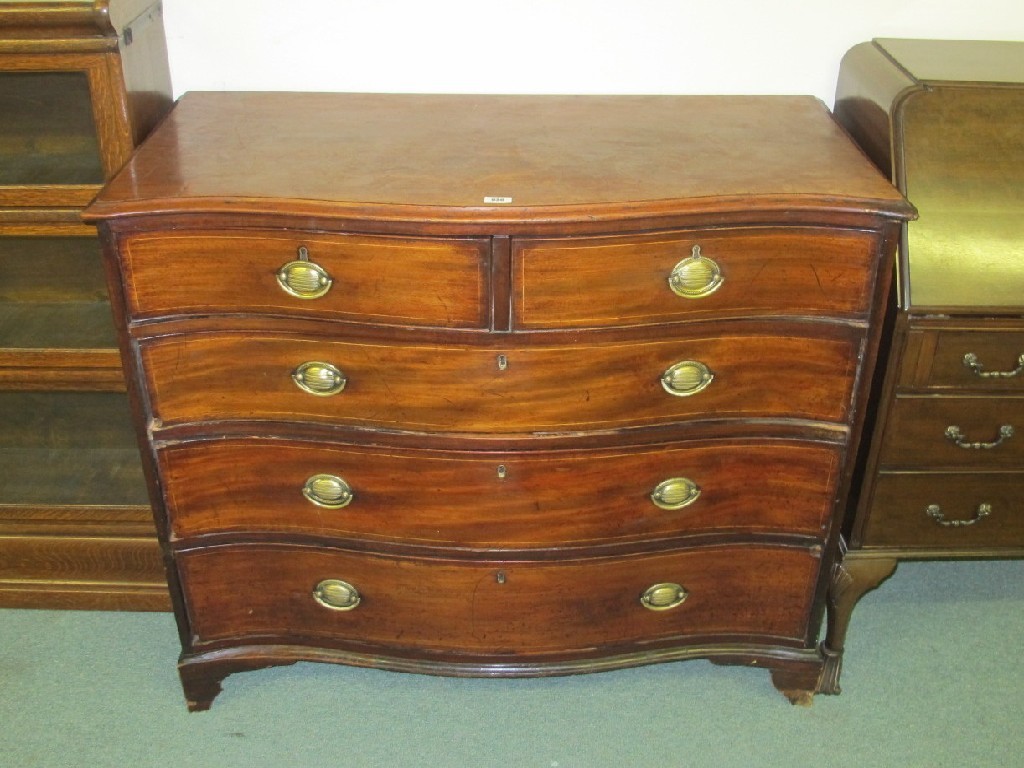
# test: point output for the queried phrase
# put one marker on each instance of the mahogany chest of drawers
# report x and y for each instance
(499, 385)
(945, 465)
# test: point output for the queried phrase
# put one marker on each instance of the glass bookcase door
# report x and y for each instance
(68, 449)
(53, 294)
(47, 131)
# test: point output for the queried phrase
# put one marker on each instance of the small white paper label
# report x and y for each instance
(495, 200)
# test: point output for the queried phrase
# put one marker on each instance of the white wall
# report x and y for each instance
(551, 46)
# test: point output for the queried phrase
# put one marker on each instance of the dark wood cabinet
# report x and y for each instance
(80, 84)
(499, 385)
(945, 462)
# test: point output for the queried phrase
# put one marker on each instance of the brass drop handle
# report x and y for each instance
(663, 597)
(337, 595)
(686, 378)
(971, 362)
(934, 511)
(696, 276)
(304, 279)
(319, 378)
(675, 493)
(954, 433)
(329, 491)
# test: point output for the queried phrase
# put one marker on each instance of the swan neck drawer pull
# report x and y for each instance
(675, 493)
(304, 279)
(971, 362)
(956, 435)
(696, 276)
(686, 378)
(318, 378)
(663, 597)
(934, 511)
(336, 594)
(329, 491)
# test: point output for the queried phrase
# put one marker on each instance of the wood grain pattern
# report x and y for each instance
(623, 281)
(540, 499)
(456, 388)
(249, 592)
(387, 280)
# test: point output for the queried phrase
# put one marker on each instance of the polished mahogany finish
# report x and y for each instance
(499, 385)
(945, 460)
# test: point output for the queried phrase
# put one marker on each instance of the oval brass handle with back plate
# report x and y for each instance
(955, 434)
(686, 378)
(696, 276)
(971, 362)
(304, 279)
(934, 511)
(337, 595)
(675, 493)
(319, 378)
(663, 597)
(328, 491)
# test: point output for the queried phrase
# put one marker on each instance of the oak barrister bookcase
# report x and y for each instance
(495, 385)
(81, 83)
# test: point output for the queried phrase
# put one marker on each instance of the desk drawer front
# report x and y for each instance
(386, 280)
(530, 500)
(978, 360)
(955, 432)
(472, 389)
(496, 608)
(624, 281)
(947, 511)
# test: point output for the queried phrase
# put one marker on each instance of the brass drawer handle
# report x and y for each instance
(328, 491)
(337, 595)
(953, 433)
(971, 361)
(686, 378)
(304, 279)
(696, 276)
(675, 493)
(935, 513)
(321, 379)
(663, 597)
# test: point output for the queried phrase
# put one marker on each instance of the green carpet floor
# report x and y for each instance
(933, 677)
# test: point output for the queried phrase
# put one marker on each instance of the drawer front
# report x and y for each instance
(525, 500)
(947, 511)
(386, 280)
(955, 432)
(497, 608)
(472, 389)
(625, 281)
(978, 360)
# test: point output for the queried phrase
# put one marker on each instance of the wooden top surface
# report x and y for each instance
(444, 157)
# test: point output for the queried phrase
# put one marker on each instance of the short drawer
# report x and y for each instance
(972, 360)
(457, 388)
(955, 432)
(955, 511)
(669, 277)
(385, 280)
(515, 500)
(497, 609)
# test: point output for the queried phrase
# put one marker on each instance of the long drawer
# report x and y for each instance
(387, 280)
(954, 510)
(708, 273)
(275, 593)
(955, 432)
(494, 389)
(506, 500)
